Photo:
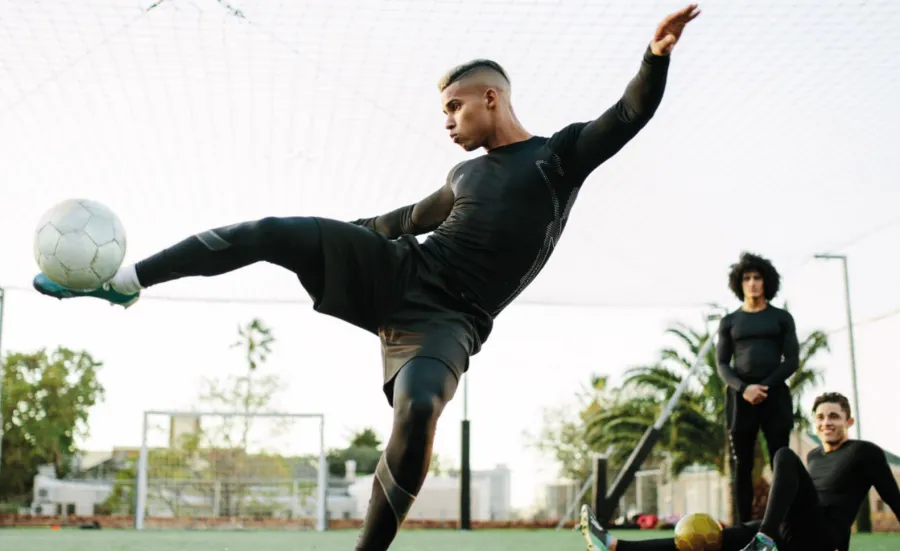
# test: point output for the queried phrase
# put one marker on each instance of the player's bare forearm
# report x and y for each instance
(416, 219)
(607, 134)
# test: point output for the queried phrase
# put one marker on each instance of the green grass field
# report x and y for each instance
(44, 539)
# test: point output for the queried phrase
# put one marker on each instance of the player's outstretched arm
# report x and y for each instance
(416, 219)
(605, 136)
(790, 350)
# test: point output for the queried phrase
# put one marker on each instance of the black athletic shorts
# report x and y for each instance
(392, 289)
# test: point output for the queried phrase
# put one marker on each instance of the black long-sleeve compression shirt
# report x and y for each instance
(764, 347)
(843, 478)
(595, 142)
(498, 217)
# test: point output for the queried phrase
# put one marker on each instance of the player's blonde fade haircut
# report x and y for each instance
(468, 69)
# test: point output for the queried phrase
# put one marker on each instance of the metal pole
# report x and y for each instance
(2, 370)
(843, 259)
(465, 474)
(864, 518)
(598, 495)
(322, 494)
(852, 346)
(141, 498)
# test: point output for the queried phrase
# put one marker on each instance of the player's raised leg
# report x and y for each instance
(598, 539)
(421, 390)
(294, 243)
(361, 264)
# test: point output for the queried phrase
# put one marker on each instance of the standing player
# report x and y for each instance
(807, 511)
(762, 341)
(496, 221)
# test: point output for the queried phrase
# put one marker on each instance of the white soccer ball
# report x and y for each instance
(79, 244)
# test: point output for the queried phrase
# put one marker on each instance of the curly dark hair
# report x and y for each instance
(832, 398)
(748, 263)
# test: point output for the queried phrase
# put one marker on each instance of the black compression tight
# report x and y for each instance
(421, 390)
(793, 499)
(293, 243)
(743, 457)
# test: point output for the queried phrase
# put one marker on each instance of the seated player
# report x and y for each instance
(807, 511)
(494, 223)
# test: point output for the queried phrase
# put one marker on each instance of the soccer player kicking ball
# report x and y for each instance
(495, 222)
(807, 510)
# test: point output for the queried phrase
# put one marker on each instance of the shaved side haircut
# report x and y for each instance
(473, 68)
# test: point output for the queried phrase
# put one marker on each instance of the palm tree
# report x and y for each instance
(695, 434)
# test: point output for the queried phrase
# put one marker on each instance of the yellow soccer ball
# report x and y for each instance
(698, 532)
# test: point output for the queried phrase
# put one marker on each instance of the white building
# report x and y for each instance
(53, 496)
(439, 496)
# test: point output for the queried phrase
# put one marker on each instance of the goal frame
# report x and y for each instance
(321, 479)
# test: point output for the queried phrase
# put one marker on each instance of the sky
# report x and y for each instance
(777, 134)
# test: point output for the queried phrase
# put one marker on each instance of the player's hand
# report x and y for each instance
(756, 393)
(669, 31)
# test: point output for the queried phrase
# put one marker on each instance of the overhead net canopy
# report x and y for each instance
(181, 114)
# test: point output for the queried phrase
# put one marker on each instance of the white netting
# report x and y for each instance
(231, 470)
(214, 111)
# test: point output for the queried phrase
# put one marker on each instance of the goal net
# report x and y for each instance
(231, 470)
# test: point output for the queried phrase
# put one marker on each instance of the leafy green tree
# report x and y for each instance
(226, 447)
(221, 460)
(696, 432)
(563, 432)
(366, 438)
(46, 401)
(364, 447)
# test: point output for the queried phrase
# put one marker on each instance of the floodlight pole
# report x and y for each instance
(864, 518)
(843, 259)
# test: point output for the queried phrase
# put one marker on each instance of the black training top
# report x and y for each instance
(498, 217)
(764, 346)
(843, 478)
(511, 206)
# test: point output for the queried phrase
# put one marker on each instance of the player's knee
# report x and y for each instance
(296, 237)
(278, 229)
(417, 411)
(785, 457)
(255, 233)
